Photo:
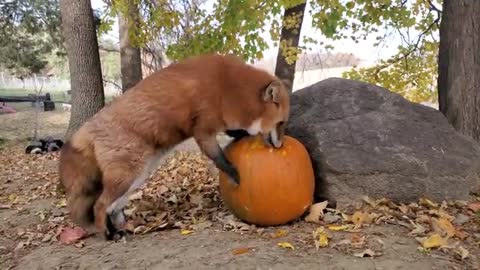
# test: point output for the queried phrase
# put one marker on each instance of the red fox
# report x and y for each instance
(117, 149)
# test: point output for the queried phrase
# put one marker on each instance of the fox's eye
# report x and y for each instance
(281, 123)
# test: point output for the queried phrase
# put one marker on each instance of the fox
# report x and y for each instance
(117, 149)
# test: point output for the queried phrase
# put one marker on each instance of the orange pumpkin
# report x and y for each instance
(276, 185)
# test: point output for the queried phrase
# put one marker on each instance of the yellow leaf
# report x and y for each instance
(280, 233)
(12, 197)
(316, 212)
(434, 241)
(359, 218)
(286, 245)
(320, 237)
(62, 202)
(185, 232)
(427, 203)
(340, 227)
(443, 226)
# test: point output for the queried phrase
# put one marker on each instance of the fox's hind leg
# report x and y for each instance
(108, 209)
(123, 171)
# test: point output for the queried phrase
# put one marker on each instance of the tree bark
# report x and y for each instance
(284, 70)
(84, 61)
(130, 56)
(459, 66)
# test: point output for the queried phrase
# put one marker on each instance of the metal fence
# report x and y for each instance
(51, 84)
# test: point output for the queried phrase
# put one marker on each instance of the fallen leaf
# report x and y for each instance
(441, 213)
(202, 225)
(71, 235)
(422, 219)
(279, 233)
(369, 201)
(62, 203)
(241, 250)
(21, 231)
(286, 245)
(404, 208)
(129, 226)
(359, 218)
(427, 203)
(474, 206)
(136, 196)
(320, 238)
(331, 218)
(185, 232)
(443, 227)
(162, 189)
(462, 252)
(20, 246)
(47, 237)
(347, 227)
(433, 241)
(366, 253)
(357, 240)
(418, 230)
(80, 244)
(316, 212)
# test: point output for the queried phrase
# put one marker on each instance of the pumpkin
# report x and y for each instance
(276, 184)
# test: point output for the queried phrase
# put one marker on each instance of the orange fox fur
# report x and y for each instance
(118, 148)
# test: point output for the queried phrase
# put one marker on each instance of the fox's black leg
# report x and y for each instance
(237, 134)
(113, 232)
(209, 146)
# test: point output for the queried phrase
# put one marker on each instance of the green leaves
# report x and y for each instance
(411, 73)
(33, 31)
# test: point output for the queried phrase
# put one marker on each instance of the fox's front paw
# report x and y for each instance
(112, 233)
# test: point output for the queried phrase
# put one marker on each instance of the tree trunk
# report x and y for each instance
(84, 61)
(459, 66)
(130, 56)
(283, 69)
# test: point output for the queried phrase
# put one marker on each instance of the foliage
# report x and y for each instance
(183, 28)
(413, 75)
(186, 28)
(413, 69)
(32, 28)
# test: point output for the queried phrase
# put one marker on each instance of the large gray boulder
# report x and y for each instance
(366, 140)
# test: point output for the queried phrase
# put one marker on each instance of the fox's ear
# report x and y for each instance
(272, 92)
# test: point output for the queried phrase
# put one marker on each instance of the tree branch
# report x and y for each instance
(411, 50)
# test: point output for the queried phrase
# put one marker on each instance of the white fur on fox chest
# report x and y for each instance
(255, 127)
(150, 166)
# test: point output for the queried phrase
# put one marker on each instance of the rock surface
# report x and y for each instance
(366, 140)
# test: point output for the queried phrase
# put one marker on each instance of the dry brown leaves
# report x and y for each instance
(26, 178)
(183, 194)
(441, 226)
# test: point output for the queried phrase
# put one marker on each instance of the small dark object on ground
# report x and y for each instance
(43, 146)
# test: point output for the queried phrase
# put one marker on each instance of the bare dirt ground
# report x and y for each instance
(178, 221)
